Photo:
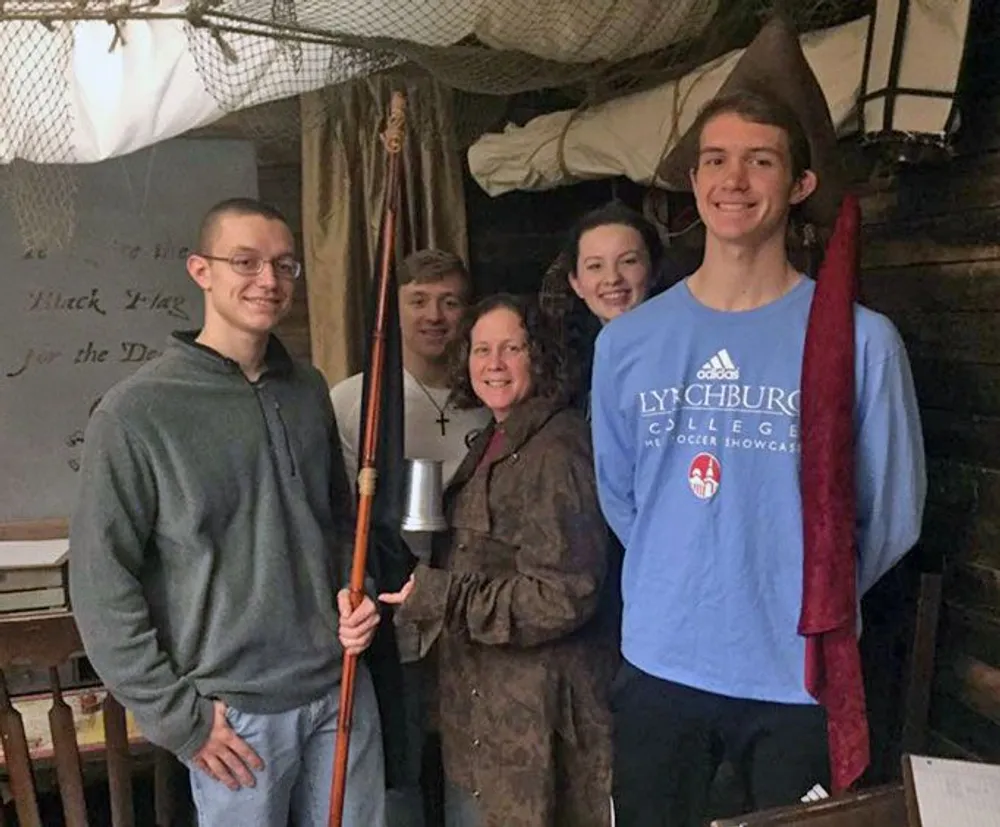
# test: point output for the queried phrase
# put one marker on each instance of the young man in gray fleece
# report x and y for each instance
(210, 538)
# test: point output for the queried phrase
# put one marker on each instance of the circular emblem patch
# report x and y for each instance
(704, 476)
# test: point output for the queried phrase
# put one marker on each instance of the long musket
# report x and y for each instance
(392, 139)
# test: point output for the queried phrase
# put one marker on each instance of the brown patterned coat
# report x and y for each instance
(523, 608)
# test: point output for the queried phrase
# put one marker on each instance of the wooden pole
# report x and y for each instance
(392, 139)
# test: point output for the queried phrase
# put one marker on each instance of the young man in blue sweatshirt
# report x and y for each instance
(212, 532)
(697, 448)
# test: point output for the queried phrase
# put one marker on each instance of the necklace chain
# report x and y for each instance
(427, 393)
(442, 420)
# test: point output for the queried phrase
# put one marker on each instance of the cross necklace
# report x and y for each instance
(442, 420)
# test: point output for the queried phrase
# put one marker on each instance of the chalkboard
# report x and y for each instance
(75, 321)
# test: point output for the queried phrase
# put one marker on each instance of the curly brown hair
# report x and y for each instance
(550, 373)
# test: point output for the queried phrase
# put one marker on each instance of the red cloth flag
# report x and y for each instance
(829, 586)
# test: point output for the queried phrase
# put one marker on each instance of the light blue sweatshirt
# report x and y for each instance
(696, 440)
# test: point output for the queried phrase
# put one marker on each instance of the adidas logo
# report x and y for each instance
(817, 793)
(719, 366)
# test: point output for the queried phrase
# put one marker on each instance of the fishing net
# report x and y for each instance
(250, 52)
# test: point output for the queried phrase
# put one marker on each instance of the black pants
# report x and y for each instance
(669, 740)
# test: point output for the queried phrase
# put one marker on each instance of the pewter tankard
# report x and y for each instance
(423, 504)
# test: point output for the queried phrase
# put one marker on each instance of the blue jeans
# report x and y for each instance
(297, 749)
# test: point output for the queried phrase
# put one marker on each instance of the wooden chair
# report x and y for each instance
(45, 642)
(878, 807)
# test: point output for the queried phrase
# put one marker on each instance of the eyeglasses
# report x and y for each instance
(248, 265)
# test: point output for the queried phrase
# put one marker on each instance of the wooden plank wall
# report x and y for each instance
(932, 263)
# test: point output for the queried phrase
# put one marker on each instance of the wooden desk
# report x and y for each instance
(878, 807)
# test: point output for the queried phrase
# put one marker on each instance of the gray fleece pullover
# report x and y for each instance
(209, 539)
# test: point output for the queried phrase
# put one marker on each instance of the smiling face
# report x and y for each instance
(743, 183)
(500, 361)
(236, 304)
(612, 272)
(429, 313)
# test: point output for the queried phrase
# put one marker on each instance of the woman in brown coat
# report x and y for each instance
(519, 602)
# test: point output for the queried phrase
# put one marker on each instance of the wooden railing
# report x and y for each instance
(46, 642)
